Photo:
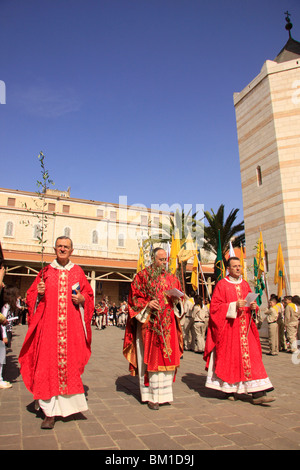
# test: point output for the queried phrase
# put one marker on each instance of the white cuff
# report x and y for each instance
(231, 312)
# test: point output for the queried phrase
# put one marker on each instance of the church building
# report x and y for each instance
(268, 130)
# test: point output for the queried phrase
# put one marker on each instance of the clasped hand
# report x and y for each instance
(154, 304)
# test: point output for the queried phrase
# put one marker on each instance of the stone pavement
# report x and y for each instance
(198, 419)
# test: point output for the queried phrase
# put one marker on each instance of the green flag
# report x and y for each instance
(219, 265)
(259, 284)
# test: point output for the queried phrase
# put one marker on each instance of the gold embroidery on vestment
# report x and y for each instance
(62, 332)
(243, 339)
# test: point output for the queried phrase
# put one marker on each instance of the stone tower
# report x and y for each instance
(268, 129)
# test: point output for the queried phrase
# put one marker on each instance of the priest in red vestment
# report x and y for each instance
(232, 351)
(153, 342)
(57, 345)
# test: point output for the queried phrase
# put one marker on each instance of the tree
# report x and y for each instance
(39, 212)
(228, 231)
(182, 225)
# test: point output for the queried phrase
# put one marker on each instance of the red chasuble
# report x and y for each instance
(158, 356)
(58, 341)
(238, 356)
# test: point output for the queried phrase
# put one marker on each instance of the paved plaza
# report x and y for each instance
(198, 419)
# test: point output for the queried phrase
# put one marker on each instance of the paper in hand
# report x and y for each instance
(251, 297)
(175, 293)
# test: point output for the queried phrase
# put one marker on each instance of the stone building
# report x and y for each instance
(106, 238)
(268, 129)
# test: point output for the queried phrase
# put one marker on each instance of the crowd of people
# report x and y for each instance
(159, 325)
(109, 314)
(283, 317)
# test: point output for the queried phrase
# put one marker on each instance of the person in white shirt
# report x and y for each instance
(9, 309)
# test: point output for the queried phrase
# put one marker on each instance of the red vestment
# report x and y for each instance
(145, 287)
(57, 345)
(238, 356)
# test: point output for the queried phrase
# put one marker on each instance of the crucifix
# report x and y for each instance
(288, 25)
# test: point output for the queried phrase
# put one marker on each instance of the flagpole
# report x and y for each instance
(266, 281)
(287, 281)
(183, 280)
(199, 264)
(263, 274)
(267, 286)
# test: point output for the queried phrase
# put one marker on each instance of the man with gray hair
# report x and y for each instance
(58, 342)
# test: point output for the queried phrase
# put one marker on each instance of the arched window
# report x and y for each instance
(121, 240)
(95, 237)
(67, 232)
(37, 231)
(9, 229)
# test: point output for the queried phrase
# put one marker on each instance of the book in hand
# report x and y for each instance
(75, 287)
(175, 293)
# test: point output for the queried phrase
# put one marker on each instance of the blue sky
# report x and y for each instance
(132, 97)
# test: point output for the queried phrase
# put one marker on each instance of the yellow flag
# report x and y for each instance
(188, 250)
(195, 276)
(260, 257)
(175, 248)
(141, 261)
(244, 272)
(279, 272)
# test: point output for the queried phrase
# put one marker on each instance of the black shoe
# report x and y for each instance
(153, 406)
(48, 423)
(264, 400)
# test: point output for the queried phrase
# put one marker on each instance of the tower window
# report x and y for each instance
(9, 229)
(95, 237)
(121, 240)
(37, 231)
(258, 176)
(67, 232)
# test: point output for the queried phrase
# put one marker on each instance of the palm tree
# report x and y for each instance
(181, 224)
(228, 231)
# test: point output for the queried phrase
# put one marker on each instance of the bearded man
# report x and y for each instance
(153, 342)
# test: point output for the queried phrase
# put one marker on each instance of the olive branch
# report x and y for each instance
(42, 185)
(155, 273)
